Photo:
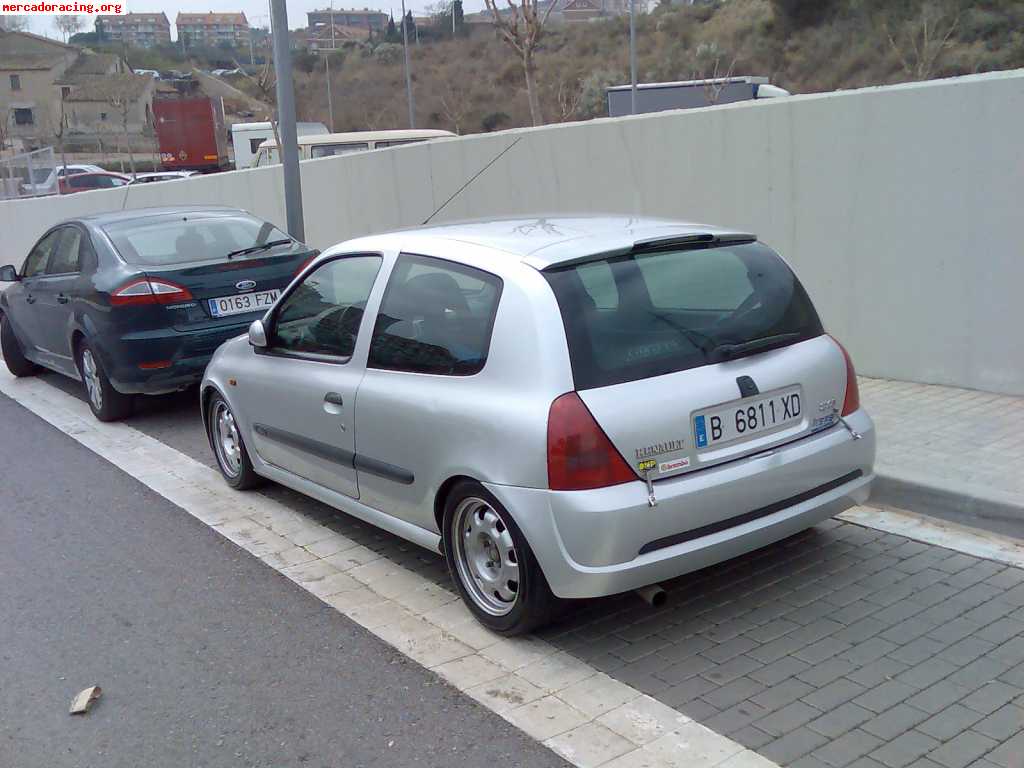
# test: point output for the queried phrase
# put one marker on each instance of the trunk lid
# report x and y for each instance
(256, 276)
(652, 421)
(217, 255)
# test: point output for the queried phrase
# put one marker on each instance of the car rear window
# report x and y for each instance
(165, 241)
(650, 313)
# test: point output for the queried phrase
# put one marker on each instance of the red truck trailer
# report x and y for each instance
(191, 132)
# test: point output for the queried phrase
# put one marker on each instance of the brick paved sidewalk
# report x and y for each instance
(960, 444)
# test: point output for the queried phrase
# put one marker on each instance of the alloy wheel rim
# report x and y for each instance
(486, 557)
(227, 440)
(91, 374)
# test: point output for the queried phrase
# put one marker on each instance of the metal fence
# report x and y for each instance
(29, 175)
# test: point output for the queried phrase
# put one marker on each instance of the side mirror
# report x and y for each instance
(258, 335)
(9, 274)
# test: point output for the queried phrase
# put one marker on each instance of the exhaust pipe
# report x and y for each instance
(653, 595)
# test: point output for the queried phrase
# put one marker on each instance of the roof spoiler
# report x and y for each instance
(692, 240)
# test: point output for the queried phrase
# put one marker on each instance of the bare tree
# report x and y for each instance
(921, 41)
(15, 23)
(122, 103)
(568, 96)
(521, 28)
(68, 24)
(456, 104)
(710, 69)
(59, 132)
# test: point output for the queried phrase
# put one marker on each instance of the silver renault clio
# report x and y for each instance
(565, 407)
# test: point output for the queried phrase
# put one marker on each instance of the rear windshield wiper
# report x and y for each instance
(701, 341)
(257, 248)
(730, 351)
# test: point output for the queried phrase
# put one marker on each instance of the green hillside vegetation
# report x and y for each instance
(475, 83)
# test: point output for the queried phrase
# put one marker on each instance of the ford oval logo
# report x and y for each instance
(245, 285)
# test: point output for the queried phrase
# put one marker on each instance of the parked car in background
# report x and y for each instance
(135, 302)
(329, 144)
(566, 408)
(149, 178)
(46, 180)
(83, 182)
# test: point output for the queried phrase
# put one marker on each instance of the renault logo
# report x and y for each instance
(245, 285)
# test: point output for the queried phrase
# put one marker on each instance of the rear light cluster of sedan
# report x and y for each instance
(149, 290)
(581, 457)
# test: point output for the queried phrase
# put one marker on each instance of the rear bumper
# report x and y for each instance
(187, 351)
(606, 541)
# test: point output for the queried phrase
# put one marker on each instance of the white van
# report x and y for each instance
(247, 137)
(329, 144)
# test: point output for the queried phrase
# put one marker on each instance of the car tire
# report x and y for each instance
(106, 403)
(228, 447)
(17, 363)
(492, 564)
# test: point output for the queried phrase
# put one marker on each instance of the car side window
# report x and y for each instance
(436, 317)
(323, 314)
(64, 259)
(38, 257)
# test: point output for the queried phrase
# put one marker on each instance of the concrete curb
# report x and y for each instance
(966, 504)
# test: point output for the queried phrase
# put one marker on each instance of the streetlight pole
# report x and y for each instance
(327, 70)
(408, 71)
(632, 56)
(289, 141)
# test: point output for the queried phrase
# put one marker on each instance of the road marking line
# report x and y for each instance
(587, 717)
(931, 530)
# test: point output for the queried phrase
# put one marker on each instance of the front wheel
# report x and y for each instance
(491, 563)
(106, 403)
(228, 446)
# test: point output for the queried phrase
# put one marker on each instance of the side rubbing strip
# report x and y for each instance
(336, 455)
(732, 522)
(383, 469)
(304, 444)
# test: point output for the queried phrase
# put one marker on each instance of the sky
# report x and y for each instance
(256, 11)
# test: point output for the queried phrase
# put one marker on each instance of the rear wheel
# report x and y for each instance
(228, 447)
(106, 403)
(17, 363)
(491, 563)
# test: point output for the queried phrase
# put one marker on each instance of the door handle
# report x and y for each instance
(334, 398)
(30, 299)
(62, 299)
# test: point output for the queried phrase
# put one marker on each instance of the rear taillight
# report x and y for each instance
(580, 455)
(149, 290)
(852, 400)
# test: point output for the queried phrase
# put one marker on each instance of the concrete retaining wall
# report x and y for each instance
(898, 206)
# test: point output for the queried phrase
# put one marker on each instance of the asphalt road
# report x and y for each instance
(206, 657)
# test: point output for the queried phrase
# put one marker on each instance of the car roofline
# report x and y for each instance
(579, 248)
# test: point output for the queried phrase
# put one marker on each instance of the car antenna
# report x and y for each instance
(473, 178)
